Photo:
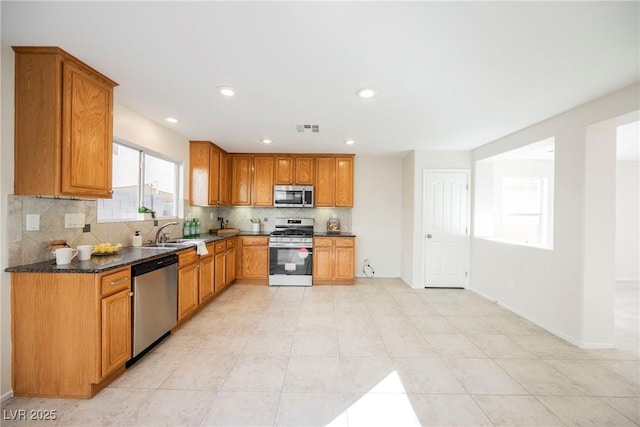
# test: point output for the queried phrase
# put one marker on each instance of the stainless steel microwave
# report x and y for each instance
(293, 196)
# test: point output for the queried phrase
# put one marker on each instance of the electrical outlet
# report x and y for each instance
(74, 220)
(265, 219)
(211, 215)
(33, 222)
(366, 262)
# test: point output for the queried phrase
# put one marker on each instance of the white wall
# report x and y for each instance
(627, 220)
(6, 188)
(376, 214)
(131, 127)
(548, 286)
(413, 167)
(406, 227)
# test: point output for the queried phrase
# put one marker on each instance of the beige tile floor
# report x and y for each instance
(374, 354)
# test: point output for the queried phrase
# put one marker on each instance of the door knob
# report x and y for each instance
(429, 236)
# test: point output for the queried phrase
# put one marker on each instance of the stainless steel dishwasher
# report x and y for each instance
(155, 301)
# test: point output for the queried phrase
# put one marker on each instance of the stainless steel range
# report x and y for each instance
(291, 252)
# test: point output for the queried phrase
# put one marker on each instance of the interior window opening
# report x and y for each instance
(514, 195)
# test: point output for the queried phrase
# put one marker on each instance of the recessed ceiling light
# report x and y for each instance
(349, 142)
(172, 120)
(225, 90)
(266, 141)
(366, 92)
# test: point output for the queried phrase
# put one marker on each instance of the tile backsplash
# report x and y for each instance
(25, 247)
(239, 217)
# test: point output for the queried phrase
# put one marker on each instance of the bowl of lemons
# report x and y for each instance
(102, 249)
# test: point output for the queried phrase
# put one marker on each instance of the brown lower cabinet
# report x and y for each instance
(333, 260)
(253, 262)
(224, 263)
(71, 332)
(198, 276)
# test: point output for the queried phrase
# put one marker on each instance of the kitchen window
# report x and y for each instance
(140, 178)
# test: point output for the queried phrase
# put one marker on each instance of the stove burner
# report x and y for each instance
(292, 232)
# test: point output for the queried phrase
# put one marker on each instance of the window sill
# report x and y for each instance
(513, 243)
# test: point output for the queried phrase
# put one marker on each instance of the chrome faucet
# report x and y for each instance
(160, 238)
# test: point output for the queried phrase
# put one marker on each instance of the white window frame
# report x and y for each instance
(140, 191)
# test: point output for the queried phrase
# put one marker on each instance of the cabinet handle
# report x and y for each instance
(111, 191)
(117, 282)
(130, 294)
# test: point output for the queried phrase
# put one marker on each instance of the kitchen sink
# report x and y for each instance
(169, 245)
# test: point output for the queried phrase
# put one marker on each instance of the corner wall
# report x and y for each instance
(549, 287)
(376, 214)
(6, 187)
(627, 224)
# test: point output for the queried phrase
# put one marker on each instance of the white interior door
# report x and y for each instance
(446, 228)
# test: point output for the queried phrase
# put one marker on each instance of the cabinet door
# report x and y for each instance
(255, 262)
(344, 182)
(230, 262)
(322, 258)
(241, 180)
(344, 256)
(206, 283)
(324, 183)
(224, 178)
(87, 133)
(284, 170)
(219, 271)
(262, 190)
(116, 331)
(187, 290)
(304, 171)
(214, 175)
(199, 165)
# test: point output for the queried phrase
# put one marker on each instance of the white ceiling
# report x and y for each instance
(449, 75)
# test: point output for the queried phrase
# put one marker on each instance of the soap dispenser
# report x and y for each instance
(136, 240)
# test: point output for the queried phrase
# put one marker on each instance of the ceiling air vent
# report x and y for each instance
(308, 128)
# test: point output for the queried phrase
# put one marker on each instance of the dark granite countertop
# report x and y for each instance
(130, 256)
(98, 264)
(341, 234)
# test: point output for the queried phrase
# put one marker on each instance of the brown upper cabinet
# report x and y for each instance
(63, 125)
(238, 179)
(334, 181)
(293, 170)
(252, 180)
(207, 174)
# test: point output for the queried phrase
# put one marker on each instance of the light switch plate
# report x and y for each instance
(74, 220)
(33, 222)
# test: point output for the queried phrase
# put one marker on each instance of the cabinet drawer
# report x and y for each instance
(187, 257)
(344, 242)
(231, 243)
(220, 247)
(255, 241)
(323, 242)
(115, 282)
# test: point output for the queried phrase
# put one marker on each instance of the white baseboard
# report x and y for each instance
(8, 395)
(588, 346)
